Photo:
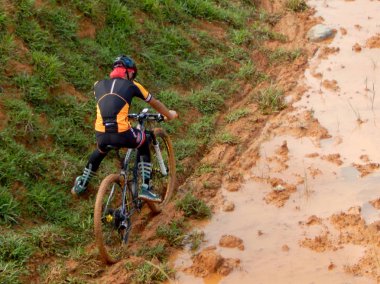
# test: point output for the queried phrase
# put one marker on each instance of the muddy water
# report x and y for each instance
(349, 110)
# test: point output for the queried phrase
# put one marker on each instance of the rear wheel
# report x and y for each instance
(162, 184)
(111, 230)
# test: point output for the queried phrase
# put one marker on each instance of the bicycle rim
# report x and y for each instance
(162, 184)
(108, 217)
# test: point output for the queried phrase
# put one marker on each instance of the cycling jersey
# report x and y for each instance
(113, 100)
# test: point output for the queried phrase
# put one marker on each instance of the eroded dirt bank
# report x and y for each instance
(301, 202)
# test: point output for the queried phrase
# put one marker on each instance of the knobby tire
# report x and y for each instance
(98, 211)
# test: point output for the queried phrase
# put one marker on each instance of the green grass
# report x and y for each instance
(9, 207)
(270, 100)
(236, 115)
(204, 169)
(47, 73)
(7, 49)
(296, 5)
(281, 55)
(149, 273)
(204, 128)
(195, 239)
(157, 252)
(193, 207)
(172, 232)
(207, 101)
(15, 248)
(226, 138)
(10, 272)
(263, 32)
(184, 148)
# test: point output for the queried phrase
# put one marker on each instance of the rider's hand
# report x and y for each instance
(173, 115)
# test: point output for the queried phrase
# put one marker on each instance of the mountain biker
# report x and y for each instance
(113, 97)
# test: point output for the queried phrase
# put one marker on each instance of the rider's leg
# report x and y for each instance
(145, 169)
(81, 182)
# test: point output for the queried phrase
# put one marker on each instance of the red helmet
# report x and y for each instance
(126, 62)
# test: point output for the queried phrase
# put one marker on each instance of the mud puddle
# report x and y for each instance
(295, 210)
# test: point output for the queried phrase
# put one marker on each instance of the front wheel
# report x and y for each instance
(162, 184)
(111, 228)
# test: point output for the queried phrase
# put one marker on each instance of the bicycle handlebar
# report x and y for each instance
(147, 116)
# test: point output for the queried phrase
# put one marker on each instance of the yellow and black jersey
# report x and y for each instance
(113, 99)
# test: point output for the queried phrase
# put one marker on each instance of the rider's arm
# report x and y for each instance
(161, 108)
(156, 104)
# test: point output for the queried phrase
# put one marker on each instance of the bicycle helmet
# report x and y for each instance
(126, 62)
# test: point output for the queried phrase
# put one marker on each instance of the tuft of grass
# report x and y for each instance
(204, 169)
(227, 138)
(241, 37)
(15, 248)
(270, 100)
(193, 207)
(59, 21)
(158, 252)
(207, 101)
(47, 202)
(172, 232)
(281, 55)
(9, 207)
(151, 273)
(50, 239)
(262, 32)
(7, 48)
(185, 148)
(24, 121)
(10, 272)
(204, 128)
(237, 114)
(296, 5)
(33, 91)
(195, 239)
(249, 71)
(47, 67)
(172, 99)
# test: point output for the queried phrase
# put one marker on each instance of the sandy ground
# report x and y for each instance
(301, 203)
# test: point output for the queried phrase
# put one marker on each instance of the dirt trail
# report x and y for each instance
(305, 205)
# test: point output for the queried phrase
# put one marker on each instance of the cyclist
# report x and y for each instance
(113, 97)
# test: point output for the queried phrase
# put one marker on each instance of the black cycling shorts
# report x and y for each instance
(132, 138)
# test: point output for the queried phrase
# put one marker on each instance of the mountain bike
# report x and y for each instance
(117, 198)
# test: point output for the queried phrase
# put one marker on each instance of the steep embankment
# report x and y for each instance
(305, 208)
(199, 57)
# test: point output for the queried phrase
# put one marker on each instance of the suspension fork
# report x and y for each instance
(156, 147)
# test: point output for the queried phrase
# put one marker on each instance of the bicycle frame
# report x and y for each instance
(137, 203)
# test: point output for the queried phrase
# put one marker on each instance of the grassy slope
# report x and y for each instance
(193, 54)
